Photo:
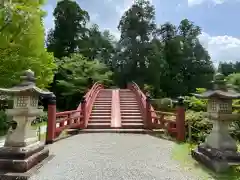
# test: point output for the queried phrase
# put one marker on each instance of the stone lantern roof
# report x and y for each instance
(27, 84)
(219, 90)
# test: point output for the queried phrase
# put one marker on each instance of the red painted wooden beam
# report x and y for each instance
(115, 114)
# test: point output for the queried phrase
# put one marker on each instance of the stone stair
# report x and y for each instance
(100, 117)
(131, 116)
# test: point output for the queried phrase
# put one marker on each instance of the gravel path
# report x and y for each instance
(112, 157)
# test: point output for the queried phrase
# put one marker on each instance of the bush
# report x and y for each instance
(235, 129)
(195, 104)
(44, 117)
(200, 125)
(149, 89)
(40, 119)
(4, 123)
(164, 104)
(236, 106)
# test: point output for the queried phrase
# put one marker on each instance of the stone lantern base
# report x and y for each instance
(215, 159)
(22, 159)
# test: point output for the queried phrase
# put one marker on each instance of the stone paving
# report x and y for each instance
(112, 157)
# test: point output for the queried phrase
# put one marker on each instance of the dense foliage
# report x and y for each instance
(22, 43)
(229, 68)
(78, 73)
(4, 123)
(169, 56)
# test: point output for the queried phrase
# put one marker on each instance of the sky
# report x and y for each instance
(218, 20)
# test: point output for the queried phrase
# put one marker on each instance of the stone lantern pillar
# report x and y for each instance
(219, 150)
(22, 149)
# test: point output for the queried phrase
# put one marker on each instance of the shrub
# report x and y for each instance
(234, 129)
(164, 104)
(4, 123)
(235, 126)
(40, 119)
(200, 125)
(195, 104)
(44, 117)
(236, 106)
(149, 89)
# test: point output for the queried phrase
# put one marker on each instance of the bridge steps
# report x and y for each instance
(131, 116)
(100, 117)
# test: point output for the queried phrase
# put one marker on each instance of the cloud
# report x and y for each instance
(221, 48)
(197, 2)
(121, 8)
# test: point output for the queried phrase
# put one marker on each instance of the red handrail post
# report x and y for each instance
(83, 113)
(180, 120)
(148, 113)
(51, 123)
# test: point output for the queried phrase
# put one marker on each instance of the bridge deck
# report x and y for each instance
(112, 157)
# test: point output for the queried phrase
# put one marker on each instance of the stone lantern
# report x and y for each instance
(219, 150)
(22, 149)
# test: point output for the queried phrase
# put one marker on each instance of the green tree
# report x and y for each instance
(97, 45)
(70, 22)
(197, 66)
(137, 26)
(78, 74)
(229, 68)
(233, 81)
(22, 43)
(172, 51)
(188, 63)
(67, 36)
(170, 58)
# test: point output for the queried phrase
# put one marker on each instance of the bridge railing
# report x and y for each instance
(165, 120)
(75, 119)
(173, 123)
(88, 101)
(144, 105)
(141, 98)
(68, 119)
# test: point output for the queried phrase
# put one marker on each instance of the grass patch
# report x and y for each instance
(42, 137)
(181, 153)
(40, 124)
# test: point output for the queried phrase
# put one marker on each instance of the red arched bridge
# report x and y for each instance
(115, 110)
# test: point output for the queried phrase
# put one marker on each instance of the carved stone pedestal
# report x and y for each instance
(21, 159)
(215, 159)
